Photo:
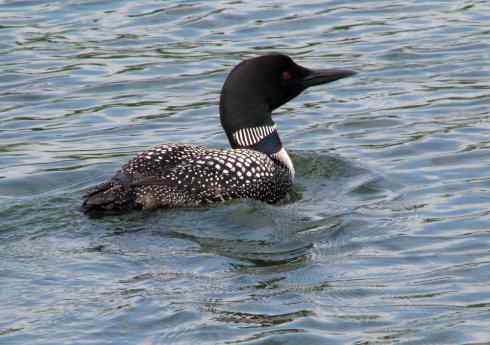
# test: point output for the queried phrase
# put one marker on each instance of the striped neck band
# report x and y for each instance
(253, 135)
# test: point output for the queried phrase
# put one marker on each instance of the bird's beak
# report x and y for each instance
(323, 76)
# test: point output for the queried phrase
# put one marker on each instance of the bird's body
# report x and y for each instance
(256, 167)
(185, 175)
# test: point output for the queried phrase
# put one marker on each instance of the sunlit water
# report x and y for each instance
(388, 235)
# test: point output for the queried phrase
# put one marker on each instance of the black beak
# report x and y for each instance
(323, 76)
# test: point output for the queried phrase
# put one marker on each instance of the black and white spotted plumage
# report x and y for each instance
(184, 175)
(256, 167)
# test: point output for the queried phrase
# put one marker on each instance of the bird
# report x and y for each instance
(257, 166)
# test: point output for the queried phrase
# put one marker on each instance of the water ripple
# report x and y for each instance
(383, 239)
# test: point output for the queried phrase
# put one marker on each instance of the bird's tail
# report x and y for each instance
(108, 197)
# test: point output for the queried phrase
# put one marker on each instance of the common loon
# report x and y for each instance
(256, 167)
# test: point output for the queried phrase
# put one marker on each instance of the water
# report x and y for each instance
(387, 241)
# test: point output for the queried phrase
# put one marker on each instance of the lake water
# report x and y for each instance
(386, 241)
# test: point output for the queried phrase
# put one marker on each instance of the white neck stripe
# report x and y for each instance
(283, 157)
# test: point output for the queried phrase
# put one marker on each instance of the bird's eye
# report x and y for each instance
(286, 75)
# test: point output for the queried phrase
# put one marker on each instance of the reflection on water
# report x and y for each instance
(383, 240)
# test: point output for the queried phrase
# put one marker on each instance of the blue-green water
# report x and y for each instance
(388, 241)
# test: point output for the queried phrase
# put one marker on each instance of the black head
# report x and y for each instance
(257, 86)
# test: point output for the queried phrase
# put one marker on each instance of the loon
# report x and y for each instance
(256, 167)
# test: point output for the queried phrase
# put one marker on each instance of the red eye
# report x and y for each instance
(286, 75)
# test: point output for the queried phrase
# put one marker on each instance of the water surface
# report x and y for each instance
(386, 240)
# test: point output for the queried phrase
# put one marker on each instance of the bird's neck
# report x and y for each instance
(252, 128)
(264, 139)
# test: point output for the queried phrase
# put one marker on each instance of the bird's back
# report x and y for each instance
(185, 175)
